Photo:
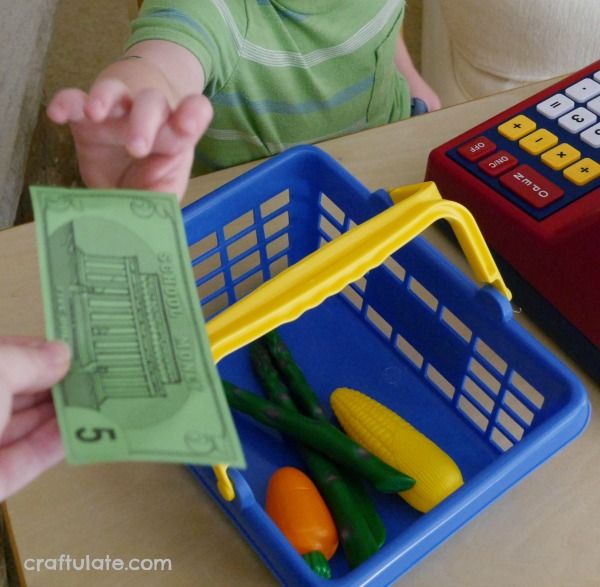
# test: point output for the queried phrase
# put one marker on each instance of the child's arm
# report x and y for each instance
(138, 125)
(418, 86)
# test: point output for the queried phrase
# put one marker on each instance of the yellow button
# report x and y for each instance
(583, 171)
(517, 127)
(538, 142)
(561, 156)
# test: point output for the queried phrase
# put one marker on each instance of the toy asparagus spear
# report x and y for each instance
(355, 534)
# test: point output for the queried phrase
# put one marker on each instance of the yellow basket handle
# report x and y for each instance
(340, 262)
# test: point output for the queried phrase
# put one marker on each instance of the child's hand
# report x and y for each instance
(29, 436)
(132, 141)
(419, 88)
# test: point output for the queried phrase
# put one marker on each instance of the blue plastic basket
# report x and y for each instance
(415, 333)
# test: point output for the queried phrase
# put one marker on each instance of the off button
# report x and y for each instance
(476, 149)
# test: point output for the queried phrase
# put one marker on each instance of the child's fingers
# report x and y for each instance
(185, 125)
(149, 112)
(192, 116)
(67, 106)
(106, 96)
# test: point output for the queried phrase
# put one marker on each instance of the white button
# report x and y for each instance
(555, 106)
(594, 105)
(591, 136)
(583, 90)
(577, 120)
(597, 76)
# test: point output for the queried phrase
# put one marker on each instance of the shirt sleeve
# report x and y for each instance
(200, 26)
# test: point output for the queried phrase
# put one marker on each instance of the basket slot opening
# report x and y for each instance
(249, 284)
(353, 297)
(490, 357)
(203, 246)
(409, 351)
(241, 245)
(204, 270)
(328, 228)
(484, 377)
(456, 325)
(361, 284)
(275, 203)
(277, 224)
(440, 382)
(478, 395)
(518, 408)
(525, 391)
(245, 265)
(214, 306)
(423, 294)
(332, 210)
(472, 413)
(278, 245)
(500, 440)
(211, 286)
(509, 426)
(278, 265)
(379, 322)
(395, 268)
(238, 225)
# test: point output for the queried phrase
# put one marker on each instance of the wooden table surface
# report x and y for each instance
(544, 533)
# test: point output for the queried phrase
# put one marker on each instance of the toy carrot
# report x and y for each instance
(297, 508)
(396, 442)
(320, 436)
(343, 499)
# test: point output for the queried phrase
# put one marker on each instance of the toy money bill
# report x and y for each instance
(118, 287)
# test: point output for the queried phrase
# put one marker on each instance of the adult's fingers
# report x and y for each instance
(23, 401)
(32, 368)
(106, 96)
(149, 111)
(67, 106)
(24, 460)
(26, 421)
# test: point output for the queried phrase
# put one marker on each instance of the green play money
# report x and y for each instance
(118, 287)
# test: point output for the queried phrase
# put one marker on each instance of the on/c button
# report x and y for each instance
(497, 163)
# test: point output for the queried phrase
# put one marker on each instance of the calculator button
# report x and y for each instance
(516, 128)
(594, 105)
(498, 163)
(591, 136)
(597, 76)
(531, 186)
(555, 106)
(477, 148)
(577, 120)
(539, 141)
(583, 90)
(583, 171)
(561, 156)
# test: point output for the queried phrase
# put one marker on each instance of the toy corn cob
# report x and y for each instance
(385, 434)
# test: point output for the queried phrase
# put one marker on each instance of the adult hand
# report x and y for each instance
(29, 436)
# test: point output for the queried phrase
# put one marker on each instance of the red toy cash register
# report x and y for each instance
(531, 177)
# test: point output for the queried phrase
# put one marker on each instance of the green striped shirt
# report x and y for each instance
(284, 72)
